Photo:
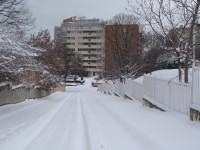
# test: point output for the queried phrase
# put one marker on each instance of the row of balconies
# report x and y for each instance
(87, 68)
(90, 58)
(92, 63)
(85, 46)
(82, 40)
(82, 34)
(91, 54)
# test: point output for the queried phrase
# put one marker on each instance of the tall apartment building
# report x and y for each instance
(84, 37)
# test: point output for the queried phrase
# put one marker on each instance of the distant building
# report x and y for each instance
(197, 36)
(184, 32)
(57, 36)
(122, 43)
(84, 37)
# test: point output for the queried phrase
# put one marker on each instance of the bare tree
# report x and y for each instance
(14, 12)
(122, 45)
(51, 60)
(125, 19)
(76, 65)
(151, 40)
(165, 15)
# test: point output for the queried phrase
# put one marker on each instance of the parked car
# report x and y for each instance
(80, 80)
(71, 84)
(71, 78)
(74, 79)
(96, 81)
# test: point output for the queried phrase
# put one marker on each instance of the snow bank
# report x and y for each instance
(139, 80)
(17, 86)
(166, 74)
(4, 84)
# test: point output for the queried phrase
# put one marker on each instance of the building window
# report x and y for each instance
(70, 43)
(90, 67)
(80, 43)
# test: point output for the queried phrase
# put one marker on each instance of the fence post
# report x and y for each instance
(169, 94)
(154, 88)
(192, 88)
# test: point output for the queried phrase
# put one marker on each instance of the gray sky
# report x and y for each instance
(50, 13)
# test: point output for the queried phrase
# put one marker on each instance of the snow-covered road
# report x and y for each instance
(83, 119)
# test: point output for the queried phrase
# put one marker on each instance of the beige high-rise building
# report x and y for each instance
(84, 37)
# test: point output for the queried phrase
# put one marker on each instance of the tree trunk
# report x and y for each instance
(186, 69)
(179, 68)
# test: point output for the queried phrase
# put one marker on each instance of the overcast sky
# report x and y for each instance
(50, 13)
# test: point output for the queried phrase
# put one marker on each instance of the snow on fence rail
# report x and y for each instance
(170, 94)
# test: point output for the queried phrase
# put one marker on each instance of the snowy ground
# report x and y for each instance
(166, 74)
(83, 119)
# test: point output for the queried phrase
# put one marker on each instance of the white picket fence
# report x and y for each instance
(196, 87)
(132, 89)
(166, 94)
(107, 87)
(119, 88)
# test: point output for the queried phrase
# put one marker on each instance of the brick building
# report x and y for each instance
(122, 45)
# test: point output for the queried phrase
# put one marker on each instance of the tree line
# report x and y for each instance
(174, 20)
(169, 37)
(19, 53)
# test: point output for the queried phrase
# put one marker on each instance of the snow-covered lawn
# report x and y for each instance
(83, 119)
(166, 74)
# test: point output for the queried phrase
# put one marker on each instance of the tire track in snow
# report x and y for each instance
(22, 109)
(51, 136)
(80, 139)
(94, 132)
(138, 138)
(8, 133)
(68, 131)
(29, 134)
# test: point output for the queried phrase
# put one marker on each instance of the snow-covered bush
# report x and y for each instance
(48, 81)
(167, 60)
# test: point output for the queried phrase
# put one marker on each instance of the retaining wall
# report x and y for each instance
(13, 96)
